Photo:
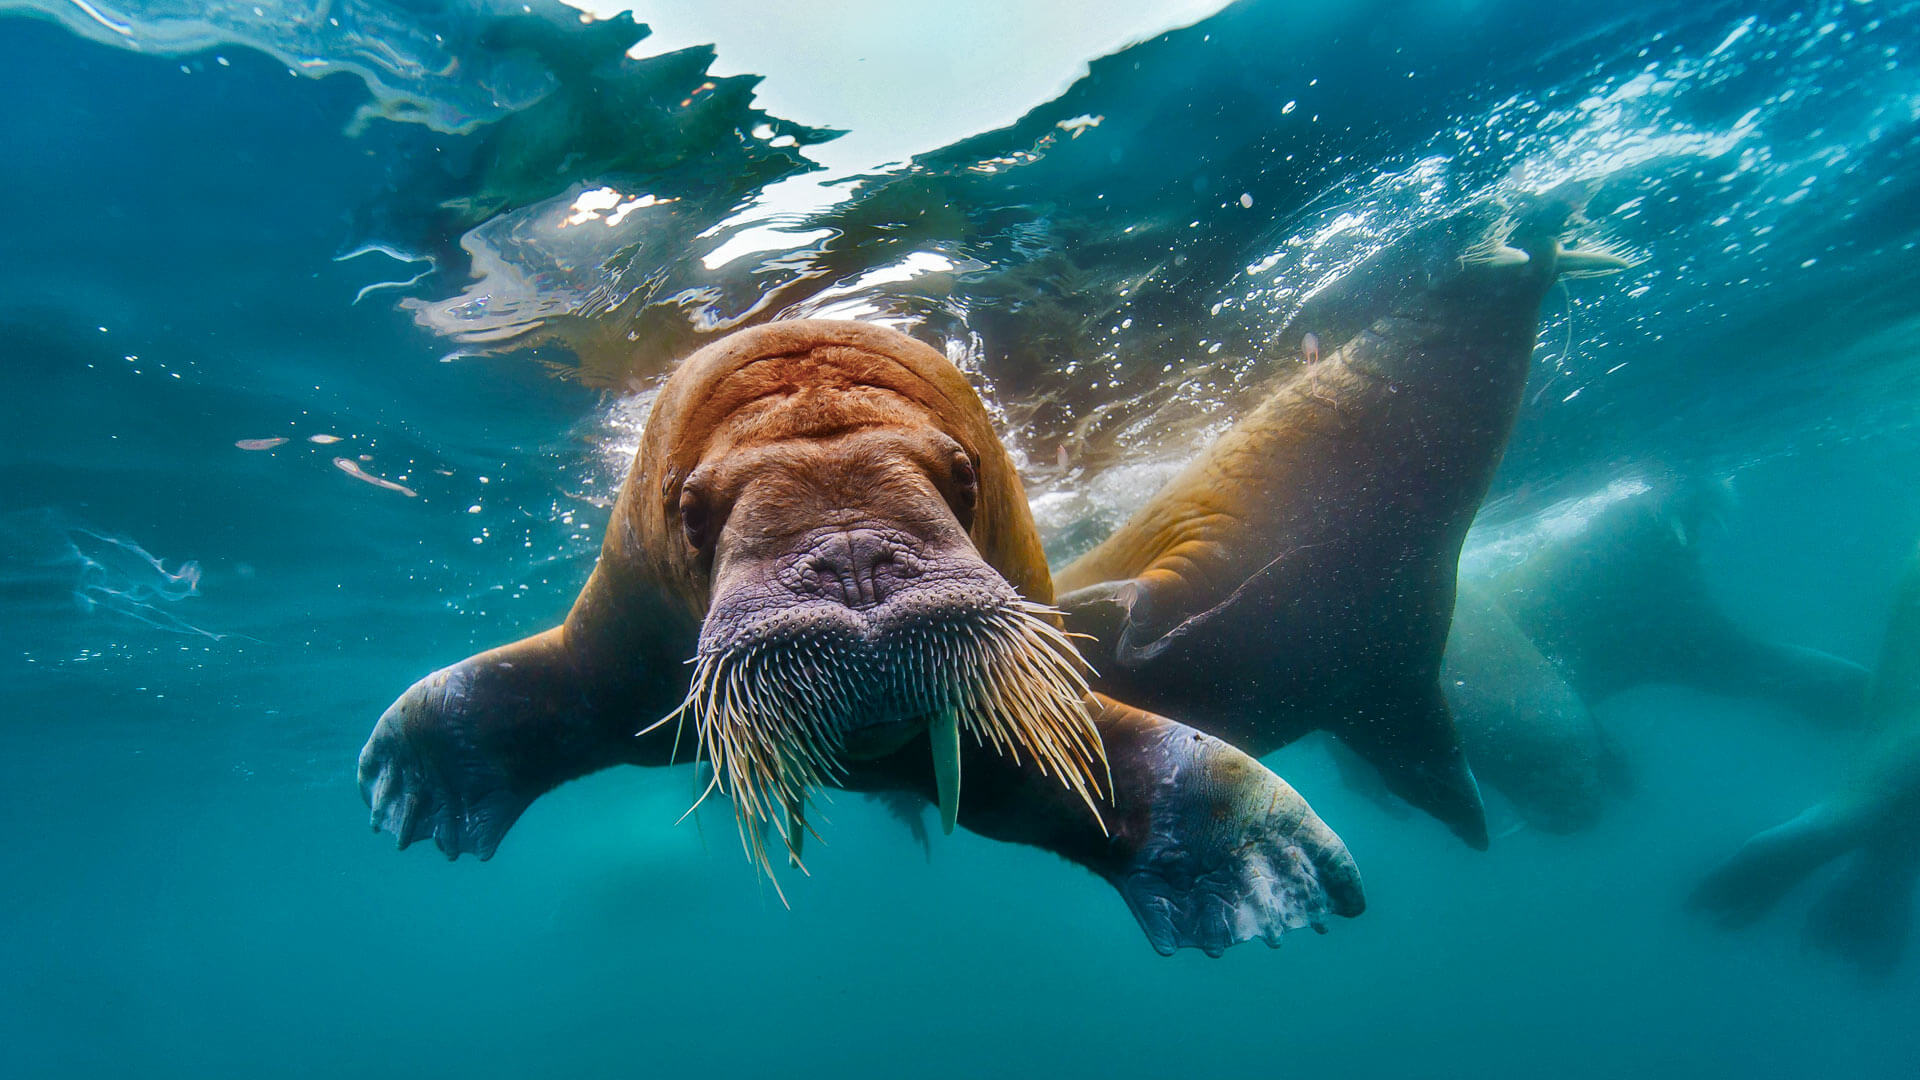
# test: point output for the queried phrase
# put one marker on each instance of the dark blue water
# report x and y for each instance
(195, 638)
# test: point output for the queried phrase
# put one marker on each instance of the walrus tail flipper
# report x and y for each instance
(465, 750)
(1710, 651)
(1413, 744)
(1769, 865)
(1867, 916)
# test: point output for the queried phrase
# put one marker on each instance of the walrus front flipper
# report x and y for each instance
(1413, 745)
(465, 750)
(1770, 864)
(1206, 845)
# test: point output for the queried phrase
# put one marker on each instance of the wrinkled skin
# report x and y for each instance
(841, 481)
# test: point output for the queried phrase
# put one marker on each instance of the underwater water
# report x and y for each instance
(328, 329)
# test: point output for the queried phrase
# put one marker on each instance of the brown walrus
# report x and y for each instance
(821, 516)
(1299, 575)
(1873, 822)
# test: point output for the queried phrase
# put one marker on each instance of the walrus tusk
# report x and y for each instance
(944, 734)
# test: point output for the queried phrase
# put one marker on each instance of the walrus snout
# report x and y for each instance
(847, 645)
(858, 588)
(858, 568)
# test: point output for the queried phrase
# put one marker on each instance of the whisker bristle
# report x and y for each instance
(773, 718)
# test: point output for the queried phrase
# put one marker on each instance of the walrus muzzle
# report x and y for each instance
(849, 644)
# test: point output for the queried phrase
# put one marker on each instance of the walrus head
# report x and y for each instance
(856, 544)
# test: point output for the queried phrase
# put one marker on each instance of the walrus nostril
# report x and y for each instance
(858, 567)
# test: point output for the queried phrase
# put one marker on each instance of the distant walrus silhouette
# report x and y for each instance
(1873, 822)
(1299, 575)
(821, 516)
(1601, 593)
(1615, 596)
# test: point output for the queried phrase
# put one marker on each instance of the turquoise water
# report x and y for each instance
(197, 637)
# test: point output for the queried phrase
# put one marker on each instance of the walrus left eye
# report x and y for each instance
(966, 488)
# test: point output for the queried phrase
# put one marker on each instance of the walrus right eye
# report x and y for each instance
(695, 517)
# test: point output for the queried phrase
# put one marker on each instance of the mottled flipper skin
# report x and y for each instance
(1299, 575)
(1207, 846)
(1872, 823)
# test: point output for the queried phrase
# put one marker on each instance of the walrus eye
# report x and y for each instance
(694, 517)
(966, 488)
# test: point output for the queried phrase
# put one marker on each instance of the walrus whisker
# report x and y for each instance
(775, 716)
(711, 785)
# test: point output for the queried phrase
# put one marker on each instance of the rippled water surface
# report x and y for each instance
(329, 326)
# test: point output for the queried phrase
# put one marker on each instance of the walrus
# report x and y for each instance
(821, 519)
(1612, 591)
(1611, 583)
(1299, 574)
(1872, 822)
(1527, 733)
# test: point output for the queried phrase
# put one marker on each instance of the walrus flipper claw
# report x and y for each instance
(424, 780)
(463, 753)
(1231, 853)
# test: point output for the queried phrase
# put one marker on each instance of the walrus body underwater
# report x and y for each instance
(1873, 823)
(1299, 575)
(1615, 596)
(1527, 733)
(821, 516)
(1594, 596)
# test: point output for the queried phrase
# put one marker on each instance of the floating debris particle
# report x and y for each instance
(353, 469)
